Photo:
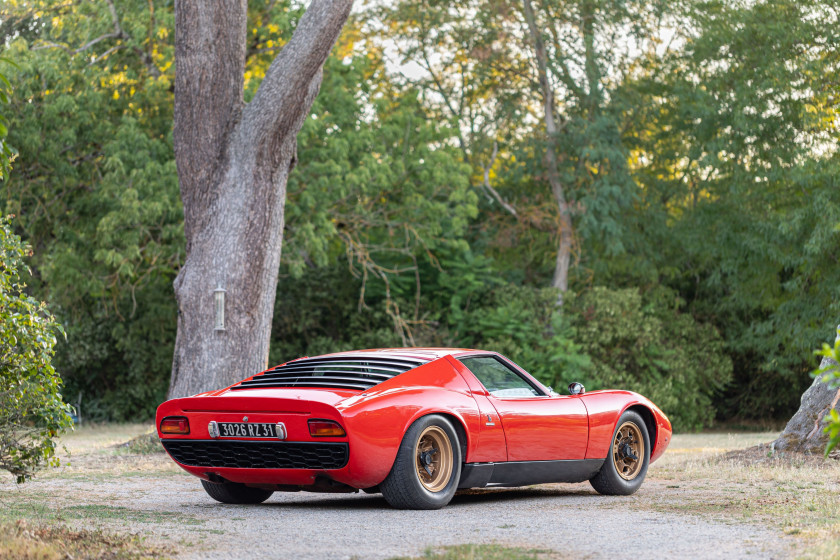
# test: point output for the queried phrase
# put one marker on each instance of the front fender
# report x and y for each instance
(606, 407)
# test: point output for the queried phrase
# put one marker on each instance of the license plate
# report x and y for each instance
(250, 430)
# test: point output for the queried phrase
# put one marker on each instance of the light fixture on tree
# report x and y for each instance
(219, 299)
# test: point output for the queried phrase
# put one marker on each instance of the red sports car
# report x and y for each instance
(415, 424)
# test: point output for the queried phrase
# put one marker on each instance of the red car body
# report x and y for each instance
(507, 441)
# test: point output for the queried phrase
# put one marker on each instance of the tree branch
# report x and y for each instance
(210, 60)
(289, 78)
(106, 53)
(118, 33)
(489, 188)
(50, 45)
(566, 229)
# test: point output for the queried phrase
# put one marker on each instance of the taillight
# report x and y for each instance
(325, 428)
(175, 425)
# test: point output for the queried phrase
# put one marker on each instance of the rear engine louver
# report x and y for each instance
(354, 372)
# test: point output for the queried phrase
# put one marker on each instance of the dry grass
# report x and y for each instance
(100, 438)
(143, 444)
(735, 477)
(101, 451)
(23, 541)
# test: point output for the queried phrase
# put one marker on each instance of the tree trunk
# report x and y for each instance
(566, 229)
(804, 432)
(233, 162)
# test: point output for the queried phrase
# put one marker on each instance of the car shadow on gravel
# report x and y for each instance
(462, 498)
(345, 502)
(503, 494)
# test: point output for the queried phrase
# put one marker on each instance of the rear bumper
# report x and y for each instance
(297, 460)
(261, 463)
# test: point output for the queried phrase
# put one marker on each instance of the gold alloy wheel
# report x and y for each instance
(433, 459)
(628, 451)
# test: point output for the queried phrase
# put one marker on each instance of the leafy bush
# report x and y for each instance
(831, 374)
(604, 338)
(32, 412)
(144, 444)
(319, 313)
(6, 155)
(644, 343)
(523, 324)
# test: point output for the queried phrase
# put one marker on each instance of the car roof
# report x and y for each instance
(426, 354)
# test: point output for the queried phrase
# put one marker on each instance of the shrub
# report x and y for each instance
(831, 374)
(646, 344)
(522, 323)
(32, 413)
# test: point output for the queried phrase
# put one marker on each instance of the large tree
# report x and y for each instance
(233, 163)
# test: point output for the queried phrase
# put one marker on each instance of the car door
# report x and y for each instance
(538, 426)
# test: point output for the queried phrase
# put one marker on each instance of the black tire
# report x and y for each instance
(608, 481)
(405, 487)
(234, 493)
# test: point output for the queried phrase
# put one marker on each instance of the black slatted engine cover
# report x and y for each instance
(358, 371)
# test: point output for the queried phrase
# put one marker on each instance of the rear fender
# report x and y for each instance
(378, 419)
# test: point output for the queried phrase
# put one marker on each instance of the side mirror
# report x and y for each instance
(576, 388)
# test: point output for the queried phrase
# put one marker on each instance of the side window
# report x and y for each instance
(498, 378)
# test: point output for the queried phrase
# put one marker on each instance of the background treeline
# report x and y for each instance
(696, 142)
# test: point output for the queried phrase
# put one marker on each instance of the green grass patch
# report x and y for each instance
(121, 513)
(39, 508)
(827, 549)
(106, 476)
(482, 552)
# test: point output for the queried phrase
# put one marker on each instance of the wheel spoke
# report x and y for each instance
(434, 459)
(628, 451)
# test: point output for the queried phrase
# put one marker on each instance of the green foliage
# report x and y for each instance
(831, 374)
(32, 413)
(645, 343)
(319, 313)
(95, 191)
(702, 176)
(378, 183)
(5, 149)
(523, 324)
(736, 149)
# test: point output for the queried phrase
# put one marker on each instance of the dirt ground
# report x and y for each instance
(697, 501)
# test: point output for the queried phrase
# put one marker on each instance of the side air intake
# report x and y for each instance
(354, 372)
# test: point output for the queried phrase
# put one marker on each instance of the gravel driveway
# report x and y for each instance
(570, 520)
(150, 496)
